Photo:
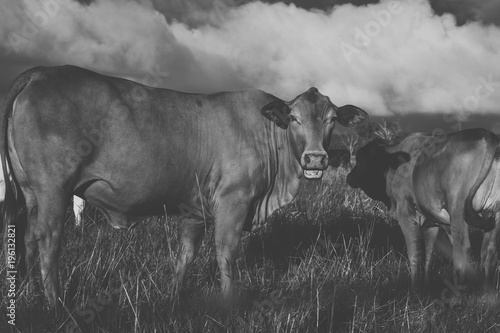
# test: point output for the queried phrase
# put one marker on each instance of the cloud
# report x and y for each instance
(417, 62)
(126, 37)
(399, 61)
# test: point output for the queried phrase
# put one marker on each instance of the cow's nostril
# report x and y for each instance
(315, 160)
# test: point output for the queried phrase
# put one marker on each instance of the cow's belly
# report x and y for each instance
(431, 201)
(124, 202)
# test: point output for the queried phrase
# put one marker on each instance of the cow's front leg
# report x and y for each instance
(190, 238)
(229, 222)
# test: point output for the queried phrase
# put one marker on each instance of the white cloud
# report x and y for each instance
(419, 62)
(127, 38)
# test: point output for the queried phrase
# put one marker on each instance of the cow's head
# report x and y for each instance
(373, 163)
(310, 119)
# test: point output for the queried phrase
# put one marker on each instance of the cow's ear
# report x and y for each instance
(349, 115)
(278, 112)
(397, 159)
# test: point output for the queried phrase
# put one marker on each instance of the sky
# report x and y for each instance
(392, 58)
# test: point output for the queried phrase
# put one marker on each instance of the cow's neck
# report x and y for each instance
(284, 173)
(289, 171)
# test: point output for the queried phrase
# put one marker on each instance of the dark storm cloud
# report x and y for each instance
(325, 4)
(196, 12)
(415, 122)
(461, 9)
(485, 11)
(489, 12)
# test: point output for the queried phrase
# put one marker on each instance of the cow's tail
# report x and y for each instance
(482, 220)
(13, 210)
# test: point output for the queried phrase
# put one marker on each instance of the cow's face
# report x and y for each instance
(310, 119)
(373, 163)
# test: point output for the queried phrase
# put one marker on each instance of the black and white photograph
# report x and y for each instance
(281, 166)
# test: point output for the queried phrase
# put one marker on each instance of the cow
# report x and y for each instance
(431, 182)
(231, 158)
(338, 158)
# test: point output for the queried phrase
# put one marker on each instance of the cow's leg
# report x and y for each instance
(489, 254)
(229, 222)
(413, 238)
(78, 206)
(48, 232)
(461, 248)
(29, 236)
(430, 236)
(190, 238)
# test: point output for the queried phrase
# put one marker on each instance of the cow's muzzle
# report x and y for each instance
(313, 163)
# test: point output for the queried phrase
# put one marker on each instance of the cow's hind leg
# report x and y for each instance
(29, 236)
(48, 232)
(430, 236)
(190, 238)
(465, 272)
(489, 254)
(413, 238)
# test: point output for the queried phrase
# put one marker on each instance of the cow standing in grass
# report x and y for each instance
(431, 182)
(131, 150)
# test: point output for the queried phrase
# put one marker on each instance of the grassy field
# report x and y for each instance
(331, 261)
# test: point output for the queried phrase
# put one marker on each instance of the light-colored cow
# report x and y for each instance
(431, 182)
(231, 158)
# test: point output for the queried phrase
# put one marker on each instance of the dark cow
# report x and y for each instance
(449, 180)
(131, 150)
(338, 158)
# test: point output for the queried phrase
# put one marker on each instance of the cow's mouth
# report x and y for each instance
(313, 174)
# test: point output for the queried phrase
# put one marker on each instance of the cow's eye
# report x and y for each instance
(293, 118)
(330, 120)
